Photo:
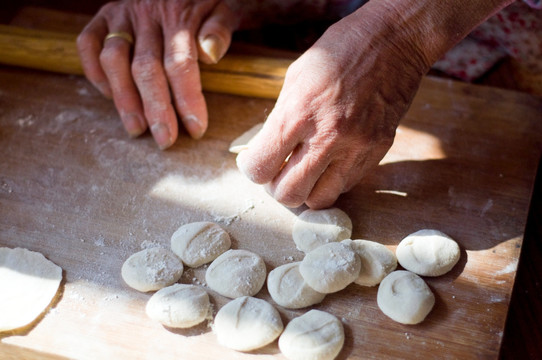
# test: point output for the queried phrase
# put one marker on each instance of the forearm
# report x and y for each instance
(424, 29)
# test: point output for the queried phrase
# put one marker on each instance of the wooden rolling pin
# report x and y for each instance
(252, 76)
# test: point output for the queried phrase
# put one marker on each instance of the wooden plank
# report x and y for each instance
(74, 187)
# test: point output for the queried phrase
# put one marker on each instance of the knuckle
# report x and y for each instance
(289, 197)
(110, 55)
(145, 67)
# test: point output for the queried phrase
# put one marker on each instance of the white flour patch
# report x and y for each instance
(510, 268)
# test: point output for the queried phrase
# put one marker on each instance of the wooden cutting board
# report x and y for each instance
(74, 187)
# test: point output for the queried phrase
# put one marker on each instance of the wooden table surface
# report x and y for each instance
(74, 187)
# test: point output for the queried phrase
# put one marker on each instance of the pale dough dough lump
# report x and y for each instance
(241, 143)
(29, 283)
(179, 306)
(236, 273)
(288, 288)
(199, 243)
(405, 297)
(377, 261)
(330, 267)
(315, 335)
(428, 253)
(313, 228)
(247, 323)
(152, 269)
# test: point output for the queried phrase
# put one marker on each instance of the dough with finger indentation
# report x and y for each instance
(236, 273)
(428, 253)
(405, 297)
(247, 323)
(199, 243)
(330, 267)
(313, 228)
(288, 288)
(315, 335)
(377, 261)
(179, 306)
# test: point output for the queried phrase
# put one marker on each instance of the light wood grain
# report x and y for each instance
(74, 187)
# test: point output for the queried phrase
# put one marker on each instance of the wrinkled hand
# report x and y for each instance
(159, 78)
(336, 115)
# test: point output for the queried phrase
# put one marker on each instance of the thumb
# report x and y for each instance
(214, 37)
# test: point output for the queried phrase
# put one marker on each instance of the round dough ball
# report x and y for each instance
(179, 306)
(247, 323)
(314, 228)
(199, 243)
(377, 261)
(316, 335)
(152, 269)
(288, 288)
(29, 283)
(236, 273)
(428, 253)
(405, 297)
(330, 267)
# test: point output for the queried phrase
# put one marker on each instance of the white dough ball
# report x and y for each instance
(179, 306)
(236, 273)
(313, 228)
(199, 243)
(315, 335)
(377, 261)
(330, 267)
(152, 269)
(428, 253)
(247, 323)
(288, 288)
(405, 297)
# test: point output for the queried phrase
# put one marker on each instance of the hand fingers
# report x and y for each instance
(297, 178)
(115, 61)
(89, 46)
(271, 147)
(182, 71)
(215, 34)
(151, 81)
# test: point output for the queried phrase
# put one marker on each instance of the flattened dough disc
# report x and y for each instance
(29, 283)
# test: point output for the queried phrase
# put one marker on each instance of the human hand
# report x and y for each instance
(159, 79)
(336, 115)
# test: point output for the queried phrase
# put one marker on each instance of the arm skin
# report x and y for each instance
(343, 99)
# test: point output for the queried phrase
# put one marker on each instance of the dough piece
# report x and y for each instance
(179, 306)
(152, 269)
(288, 288)
(241, 143)
(29, 283)
(247, 323)
(405, 297)
(377, 261)
(316, 335)
(428, 253)
(314, 228)
(330, 267)
(199, 243)
(236, 273)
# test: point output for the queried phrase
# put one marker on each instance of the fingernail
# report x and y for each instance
(194, 126)
(161, 135)
(132, 124)
(212, 46)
